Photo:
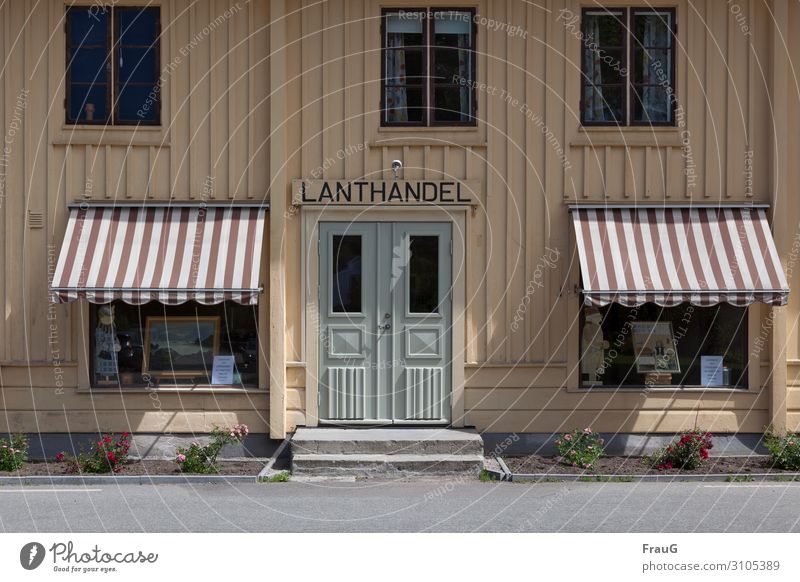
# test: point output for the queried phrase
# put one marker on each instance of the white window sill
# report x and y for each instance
(101, 135)
(664, 389)
(202, 389)
(629, 128)
(621, 136)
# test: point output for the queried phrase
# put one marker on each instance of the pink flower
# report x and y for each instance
(567, 437)
(587, 430)
(181, 458)
(60, 457)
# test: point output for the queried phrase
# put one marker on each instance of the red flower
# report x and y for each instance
(703, 453)
(126, 435)
(60, 457)
(111, 457)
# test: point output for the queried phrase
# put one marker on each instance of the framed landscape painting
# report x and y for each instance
(180, 346)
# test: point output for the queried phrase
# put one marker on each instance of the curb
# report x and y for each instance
(125, 479)
(721, 477)
(507, 474)
(603, 478)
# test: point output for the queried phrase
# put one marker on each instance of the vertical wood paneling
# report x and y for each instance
(516, 213)
(291, 125)
(52, 164)
(5, 23)
(217, 122)
(14, 203)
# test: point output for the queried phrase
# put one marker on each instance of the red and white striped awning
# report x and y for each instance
(669, 256)
(170, 254)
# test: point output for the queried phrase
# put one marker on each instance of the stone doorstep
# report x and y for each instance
(381, 464)
(386, 441)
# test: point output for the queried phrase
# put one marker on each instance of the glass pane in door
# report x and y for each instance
(423, 280)
(346, 282)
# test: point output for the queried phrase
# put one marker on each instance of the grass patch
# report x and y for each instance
(281, 477)
(607, 479)
(486, 476)
(739, 478)
(786, 478)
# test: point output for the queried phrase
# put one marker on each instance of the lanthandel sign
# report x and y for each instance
(396, 192)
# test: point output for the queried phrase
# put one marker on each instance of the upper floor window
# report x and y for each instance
(628, 66)
(113, 65)
(428, 67)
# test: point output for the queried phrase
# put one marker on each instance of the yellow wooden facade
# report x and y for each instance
(266, 92)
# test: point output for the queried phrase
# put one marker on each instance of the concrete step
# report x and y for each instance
(378, 465)
(387, 441)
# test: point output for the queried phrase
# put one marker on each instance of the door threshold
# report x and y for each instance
(385, 423)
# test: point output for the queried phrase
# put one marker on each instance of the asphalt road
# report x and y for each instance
(385, 506)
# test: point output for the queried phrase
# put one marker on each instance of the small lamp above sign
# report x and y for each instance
(397, 165)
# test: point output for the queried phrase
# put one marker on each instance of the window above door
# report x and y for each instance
(628, 66)
(112, 69)
(428, 67)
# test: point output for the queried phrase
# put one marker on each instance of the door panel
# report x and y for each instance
(349, 389)
(422, 307)
(385, 313)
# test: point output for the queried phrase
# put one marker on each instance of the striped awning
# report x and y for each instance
(668, 256)
(170, 254)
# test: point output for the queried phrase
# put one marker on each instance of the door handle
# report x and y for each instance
(384, 327)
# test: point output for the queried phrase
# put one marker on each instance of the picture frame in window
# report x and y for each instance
(654, 347)
(174, 356)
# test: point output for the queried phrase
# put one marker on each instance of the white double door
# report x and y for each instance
(385, 306)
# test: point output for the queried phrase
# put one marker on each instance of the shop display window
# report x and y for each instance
(189, 344)
(652, 346)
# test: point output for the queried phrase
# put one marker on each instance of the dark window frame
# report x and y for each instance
(743, 385)
(428, 65)
(112, 85)
(154, 382)
(628, 63)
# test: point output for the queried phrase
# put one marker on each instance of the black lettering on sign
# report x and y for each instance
(396, 193)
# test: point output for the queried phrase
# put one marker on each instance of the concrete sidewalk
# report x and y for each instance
(392, 506)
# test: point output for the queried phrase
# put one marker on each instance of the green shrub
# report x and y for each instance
(688, 452)
(580, 448)
(13, 452)
(203, 459)
(784, 450)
